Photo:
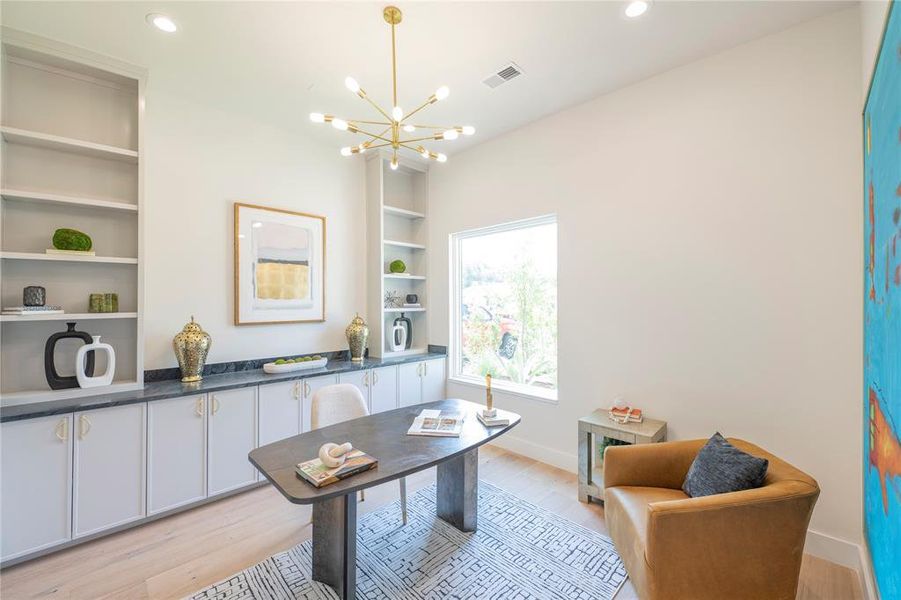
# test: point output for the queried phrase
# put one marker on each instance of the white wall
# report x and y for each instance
(199, 161)
(710, 252)
(872, 22)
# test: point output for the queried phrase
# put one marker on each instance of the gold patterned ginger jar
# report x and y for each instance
(191, 348)
(357, 336)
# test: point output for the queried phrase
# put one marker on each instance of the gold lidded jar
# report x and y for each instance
(191, 347)
(357, 336)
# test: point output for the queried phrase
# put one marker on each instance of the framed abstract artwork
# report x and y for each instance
(279, 266)
(882, 312)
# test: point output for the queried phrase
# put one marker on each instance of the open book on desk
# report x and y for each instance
(437, 423)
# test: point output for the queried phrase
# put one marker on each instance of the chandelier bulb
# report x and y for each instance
(468, 130)
(441, 157)
(317, 117)
(409, 128)
(450, 134)
(442, 92)
(339, 124)
(394, 164)
(397, 113)
(345, 151)
(424, 153)
(351, 84)
(361, 148)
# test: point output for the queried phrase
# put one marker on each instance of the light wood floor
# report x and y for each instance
(172, 557)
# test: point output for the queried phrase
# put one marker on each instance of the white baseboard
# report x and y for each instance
(822, 545)
(555, 458)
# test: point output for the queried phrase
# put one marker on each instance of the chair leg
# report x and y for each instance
(403, 499)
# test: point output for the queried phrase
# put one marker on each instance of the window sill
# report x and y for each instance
(538, 394)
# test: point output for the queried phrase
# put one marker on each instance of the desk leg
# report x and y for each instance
(585, 449)
(335, 544)
(458, 491)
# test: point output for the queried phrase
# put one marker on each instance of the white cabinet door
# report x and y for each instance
(309, 388)
(409, 384)
(382, 389)
(232, 434)
(176, 451)
(35, 484)
(359, 379)
(433, 380)
(280, 410)
(110, 463)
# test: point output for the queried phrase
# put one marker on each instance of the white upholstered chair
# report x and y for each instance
(343, 402)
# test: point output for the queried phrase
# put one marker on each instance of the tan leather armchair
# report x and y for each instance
(740, 545)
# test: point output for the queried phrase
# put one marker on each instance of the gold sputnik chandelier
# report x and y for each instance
(395, 122)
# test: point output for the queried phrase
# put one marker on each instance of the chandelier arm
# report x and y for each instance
(434, 127)
(417, 109)
(375, 136)
(355, 121)
(378, 108)
(374, 146)
(421, 139)
(416, 150)
(380, 137)
(394, 63)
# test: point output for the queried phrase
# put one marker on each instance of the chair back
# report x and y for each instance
(336, 403)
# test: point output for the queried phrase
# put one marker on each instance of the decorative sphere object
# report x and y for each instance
(191, 347)
(333, 455)
(357, 336)
(397, 266)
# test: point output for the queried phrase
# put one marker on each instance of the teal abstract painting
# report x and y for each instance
(882, 313)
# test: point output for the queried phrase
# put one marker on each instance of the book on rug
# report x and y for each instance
(492, 421)
(438, 423)
(319, 475)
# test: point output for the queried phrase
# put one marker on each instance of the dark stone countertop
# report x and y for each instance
(160, 390)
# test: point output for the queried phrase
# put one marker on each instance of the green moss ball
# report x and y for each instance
(397, 266)
(71, 239)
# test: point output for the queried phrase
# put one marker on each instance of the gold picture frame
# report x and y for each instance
(286, 249)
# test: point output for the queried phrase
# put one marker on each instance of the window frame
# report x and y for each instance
(455, 352)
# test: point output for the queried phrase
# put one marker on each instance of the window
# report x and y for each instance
(504, 306)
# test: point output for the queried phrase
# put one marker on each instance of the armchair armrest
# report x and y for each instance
(724, 539)
(662, 465)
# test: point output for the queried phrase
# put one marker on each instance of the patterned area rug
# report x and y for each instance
(520, 551)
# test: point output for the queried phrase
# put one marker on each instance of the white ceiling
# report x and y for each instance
(279, 61)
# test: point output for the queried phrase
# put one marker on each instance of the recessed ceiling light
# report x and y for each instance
(636, 8)
(162, 22)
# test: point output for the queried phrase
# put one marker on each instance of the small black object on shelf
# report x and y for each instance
(54, 379)
(34, 295)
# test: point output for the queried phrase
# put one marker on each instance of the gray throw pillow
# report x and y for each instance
(720, 467)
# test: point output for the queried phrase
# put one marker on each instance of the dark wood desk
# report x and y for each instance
(383, 436)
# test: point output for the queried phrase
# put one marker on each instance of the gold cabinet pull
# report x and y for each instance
(375, 378)
(198, 406)
(306, 388)
(296, 391)
(366, 379)
(62, 430)
(85, 427)
(215, 405)
(425, 369)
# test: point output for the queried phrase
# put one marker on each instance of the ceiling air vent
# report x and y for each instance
(503, 75)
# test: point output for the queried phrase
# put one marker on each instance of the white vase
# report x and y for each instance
(397, 338)
(100, 380)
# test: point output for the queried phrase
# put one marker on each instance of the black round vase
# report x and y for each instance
(405, 322)
(54, 379)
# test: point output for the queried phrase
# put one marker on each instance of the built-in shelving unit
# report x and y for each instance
(397, 217)
(70, 135)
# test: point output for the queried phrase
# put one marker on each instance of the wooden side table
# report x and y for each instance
(591, 470)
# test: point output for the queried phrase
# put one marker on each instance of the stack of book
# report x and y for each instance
(356, 461)
(437, 423)
(408, 305)
(625, 414)
(32, 310)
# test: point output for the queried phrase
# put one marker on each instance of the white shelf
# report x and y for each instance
(45, 198)
(45, 395)
(402, 212)
(410, 352)
(68, 317)
(402, 276)
(404, 244)
(404, 310)
(68, 258)
(56, 142)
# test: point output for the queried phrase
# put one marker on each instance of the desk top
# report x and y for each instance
(648, 428)
(383, 436)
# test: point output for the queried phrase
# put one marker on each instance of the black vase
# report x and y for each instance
(54, 379)
(405, 322)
